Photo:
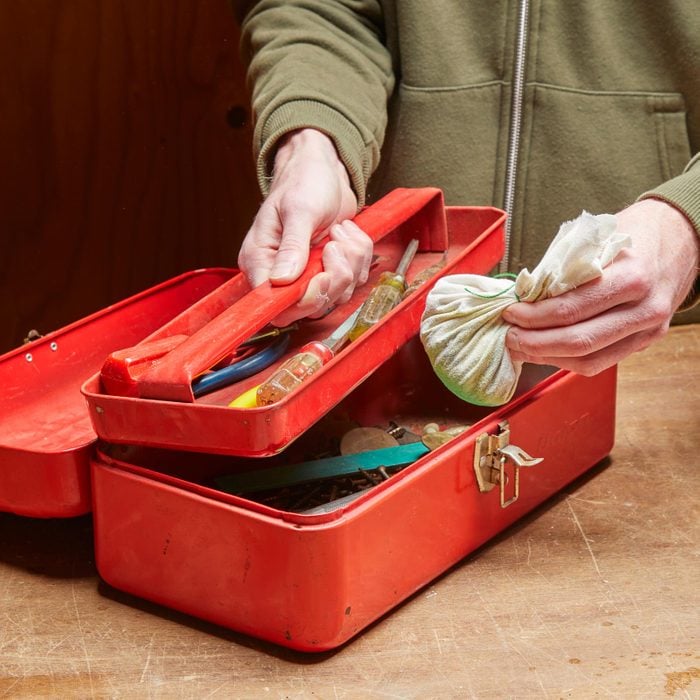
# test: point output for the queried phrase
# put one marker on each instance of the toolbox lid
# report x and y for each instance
(46, 435)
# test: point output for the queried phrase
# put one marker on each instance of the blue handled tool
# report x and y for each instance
(242, 369)
(277, 477)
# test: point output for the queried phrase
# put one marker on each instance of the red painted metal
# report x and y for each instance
(473, 239)
(169, 375)
(309, 582)
(312, 582)
(45, 432)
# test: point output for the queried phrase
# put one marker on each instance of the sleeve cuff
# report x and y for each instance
(683, 193)
(309, 114)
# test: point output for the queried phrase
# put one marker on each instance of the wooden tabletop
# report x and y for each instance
(593, 595)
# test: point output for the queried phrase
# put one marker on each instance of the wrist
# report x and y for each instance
(677, 243)
(309, 146)
(308, 143)
(676, 222)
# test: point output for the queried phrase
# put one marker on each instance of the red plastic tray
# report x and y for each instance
(165, 414)
(312, 582)
(45, 433)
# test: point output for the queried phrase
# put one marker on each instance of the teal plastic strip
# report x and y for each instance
(277, 477)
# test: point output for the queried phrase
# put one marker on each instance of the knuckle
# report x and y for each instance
(583, 343)
(343, 277)
(639, 285)
(654, 334)
(661, 331)
(249, 256)
(247, 246)
(311, 306)
(337, 264)
(567, 311)
(365, 242)
(659, 312)
(586, 366)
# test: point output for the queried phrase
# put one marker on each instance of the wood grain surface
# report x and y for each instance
(593, 595)
(125, 144)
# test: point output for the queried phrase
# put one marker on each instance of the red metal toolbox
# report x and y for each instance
(165, 529)
(164, 532)
(45, 432)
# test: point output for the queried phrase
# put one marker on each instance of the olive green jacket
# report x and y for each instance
(610, 101)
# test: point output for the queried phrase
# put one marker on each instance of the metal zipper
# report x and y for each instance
(516, 116)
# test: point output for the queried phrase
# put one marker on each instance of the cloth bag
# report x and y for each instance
(462, 329)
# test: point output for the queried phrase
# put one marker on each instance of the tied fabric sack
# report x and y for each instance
(462, 330)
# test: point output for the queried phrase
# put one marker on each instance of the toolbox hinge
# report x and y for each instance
(491, 453)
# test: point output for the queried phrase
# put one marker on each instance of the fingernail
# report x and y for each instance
(512, 340)
(324, 286)
(317, 292)
(283, 269)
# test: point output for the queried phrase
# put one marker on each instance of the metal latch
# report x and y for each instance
(491, 452)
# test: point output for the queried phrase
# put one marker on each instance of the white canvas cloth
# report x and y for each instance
(462, 329)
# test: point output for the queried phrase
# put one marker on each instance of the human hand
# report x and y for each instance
(310, 196)
(628, 307)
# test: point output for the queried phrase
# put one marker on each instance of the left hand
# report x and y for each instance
(624, 310)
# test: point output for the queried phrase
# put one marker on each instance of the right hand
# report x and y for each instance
(310, 197)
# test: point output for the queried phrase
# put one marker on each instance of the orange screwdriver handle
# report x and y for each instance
(169, 377)
(293, 372)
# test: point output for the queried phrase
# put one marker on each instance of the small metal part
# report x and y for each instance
(423, 276)
(383, 472)
(272, 333)
(491, 453)
(54, 346)
(29, 357)
(370, 477)
(395, 430)
(333, 504)
(33, 335)
(306, 497)
(520, 457)
(365, 439)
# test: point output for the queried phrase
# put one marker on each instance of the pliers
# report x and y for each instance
(247, 366)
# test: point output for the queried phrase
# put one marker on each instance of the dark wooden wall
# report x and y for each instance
(125, 140)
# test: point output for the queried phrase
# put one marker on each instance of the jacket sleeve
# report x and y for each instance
(683, 192)
(319, 64)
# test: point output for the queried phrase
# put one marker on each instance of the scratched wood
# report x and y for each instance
(593, 595)
(125, 143)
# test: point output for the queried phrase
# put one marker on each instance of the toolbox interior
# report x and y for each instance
(405, 391)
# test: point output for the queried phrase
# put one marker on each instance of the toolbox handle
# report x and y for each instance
(169, 376)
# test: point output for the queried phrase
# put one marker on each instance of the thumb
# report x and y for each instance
(293, 251)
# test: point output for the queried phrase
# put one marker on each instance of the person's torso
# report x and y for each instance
(610, 105)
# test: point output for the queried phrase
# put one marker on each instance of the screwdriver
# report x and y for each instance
(310, 358)
(386, 294)
(424, 276)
